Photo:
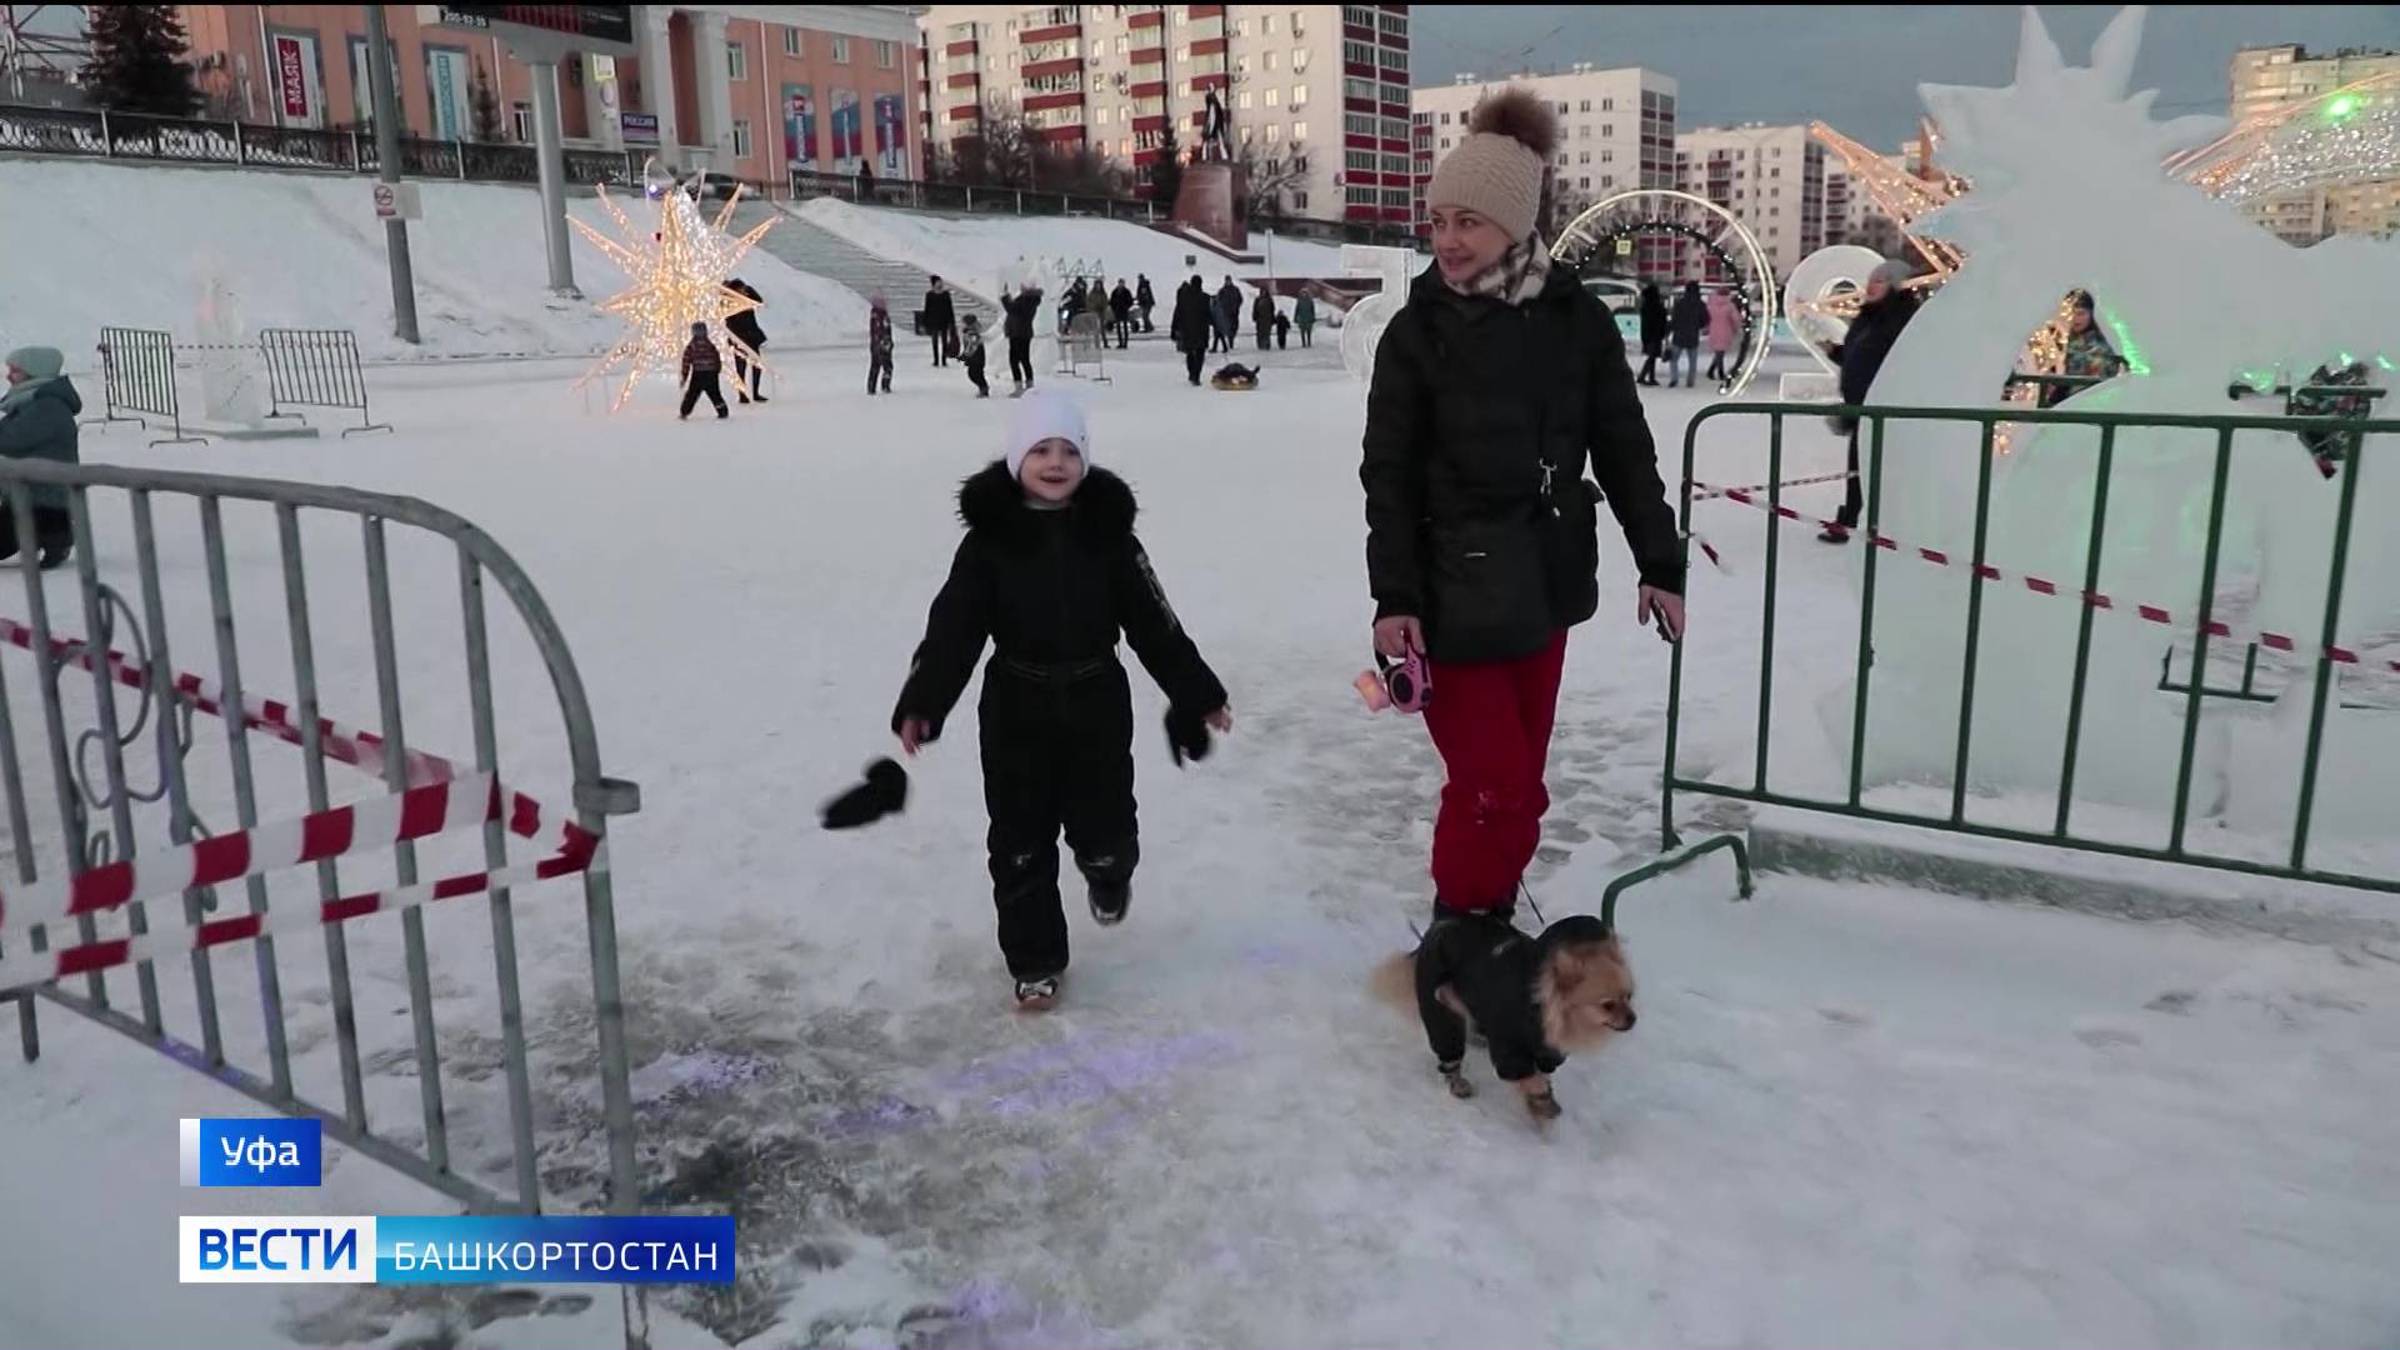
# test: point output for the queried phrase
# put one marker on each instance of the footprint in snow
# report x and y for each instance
(2101, 1038)
(2176, 1001)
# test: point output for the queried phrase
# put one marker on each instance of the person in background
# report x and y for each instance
(1022, 310)
(1685, 323)
(2087, 353)
(1192, 326)
(745, 330)
(1885, 308)
(37, 421)
(1654, 333)
(879, 343)
(1262, 316)
(970, 350)
(1304, 313)
(1120, 310)
(701, 367)
(1144, 299)
(1723, 323)
(941, 321)
(1229, 314)
(1283, 330)
(866, 183)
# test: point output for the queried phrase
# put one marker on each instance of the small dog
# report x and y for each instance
(1534, 1000)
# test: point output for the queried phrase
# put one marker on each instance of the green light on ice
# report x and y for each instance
(2126, 347)
(2341, 106)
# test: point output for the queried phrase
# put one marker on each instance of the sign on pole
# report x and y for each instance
(398, 201)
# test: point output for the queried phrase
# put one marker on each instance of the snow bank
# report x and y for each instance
(977, 252)
(88, 245)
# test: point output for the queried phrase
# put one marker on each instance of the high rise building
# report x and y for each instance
(2266, 79)
(1771, 178)
(1616, 133)
(1316, 96)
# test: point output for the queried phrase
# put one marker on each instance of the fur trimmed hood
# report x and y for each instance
(992, 502)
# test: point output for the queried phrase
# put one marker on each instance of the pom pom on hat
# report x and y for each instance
(1496, 171)
(1042, 415)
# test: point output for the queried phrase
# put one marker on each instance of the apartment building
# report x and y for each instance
(1316, 96)
(2266, 79)
(1616, 133)
(1772, 178)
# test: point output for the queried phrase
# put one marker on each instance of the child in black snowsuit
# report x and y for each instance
(970, 350)
(1050, 573)
(701, 367)
(879, 344)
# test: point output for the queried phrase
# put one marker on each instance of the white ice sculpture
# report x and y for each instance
(2068, 193)
(230, 393)
(1821, 276)
(1362, 327)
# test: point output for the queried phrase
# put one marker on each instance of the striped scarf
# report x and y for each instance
(1517, 277)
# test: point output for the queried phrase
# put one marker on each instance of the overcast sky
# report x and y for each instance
(1858, 66)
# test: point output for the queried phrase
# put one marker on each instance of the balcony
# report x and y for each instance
(1060, 33)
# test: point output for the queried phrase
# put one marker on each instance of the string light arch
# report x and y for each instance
(1593, 242)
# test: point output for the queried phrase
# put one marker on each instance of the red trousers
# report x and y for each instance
(1491, 722)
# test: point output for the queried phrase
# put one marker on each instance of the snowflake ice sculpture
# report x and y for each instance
(2070, 192)
(678, 272)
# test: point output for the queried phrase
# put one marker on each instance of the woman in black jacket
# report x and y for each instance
(1192, 325)
(1654, 332)
(1496, 386)
(1021, 309)
(1050, 574)
(1884, 309)
(1685, 324)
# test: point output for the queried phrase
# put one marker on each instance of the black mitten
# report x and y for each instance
(884, 791)
(1187, 735)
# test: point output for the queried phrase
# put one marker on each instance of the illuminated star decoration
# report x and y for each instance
(678, 273)
(2348, 135)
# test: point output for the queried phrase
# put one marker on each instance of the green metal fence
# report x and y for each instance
(2194, 687)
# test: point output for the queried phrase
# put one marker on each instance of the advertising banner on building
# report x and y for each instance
(447, 79)
(849, 138)
(891, 136)
(295, 69)
(799, 127)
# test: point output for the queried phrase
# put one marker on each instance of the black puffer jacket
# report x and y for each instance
(1021, 309)
(1870, 339)
(1690, 318)
(1050, 589)
(1191, 323)
(1475, 405)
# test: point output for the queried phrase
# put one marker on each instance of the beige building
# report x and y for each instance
(1771, 177)
(1616, 133)
(1320, 92)
(1852, 217)
(2267, 78)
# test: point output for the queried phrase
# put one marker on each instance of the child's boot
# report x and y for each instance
(1037, 995)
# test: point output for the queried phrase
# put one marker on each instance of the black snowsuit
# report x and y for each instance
(1052, 590)
(1460, 533)
(1022, 309)
(1490, 968)
(1145, 301)
(744, 326)
(941, 323)
(1191, 326)
(1869, 340)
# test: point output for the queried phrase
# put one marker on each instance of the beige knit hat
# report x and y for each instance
(1496, 171)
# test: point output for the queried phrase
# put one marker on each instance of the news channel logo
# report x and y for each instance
(455, 1249)
(413, 1249)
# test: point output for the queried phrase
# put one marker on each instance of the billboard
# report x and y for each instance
(799, 127)
(447, 79)
(891, 136)
(293, 62)
(849, 139)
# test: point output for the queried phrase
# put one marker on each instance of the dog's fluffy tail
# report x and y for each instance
(1394, 981)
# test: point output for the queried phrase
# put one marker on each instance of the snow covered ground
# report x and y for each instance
(89, 244)
(1849, 1115)
(978, 252)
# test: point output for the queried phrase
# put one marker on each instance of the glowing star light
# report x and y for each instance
(678, 273)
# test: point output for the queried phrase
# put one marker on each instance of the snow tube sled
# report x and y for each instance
(1233, 375)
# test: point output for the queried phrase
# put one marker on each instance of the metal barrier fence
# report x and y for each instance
(137, 376)
(315, 367)
(2323, 650)
(285, 1030)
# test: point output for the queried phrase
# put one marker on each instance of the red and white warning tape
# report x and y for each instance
(360, 749)
(439, 799)
(1712, 493)
(2157, 614)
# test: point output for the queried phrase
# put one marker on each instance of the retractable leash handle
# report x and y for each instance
(1405, 685)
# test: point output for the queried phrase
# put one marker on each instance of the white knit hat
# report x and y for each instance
(1496, 171)
(1039, 416)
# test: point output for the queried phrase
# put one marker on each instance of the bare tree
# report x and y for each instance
(1270, 174)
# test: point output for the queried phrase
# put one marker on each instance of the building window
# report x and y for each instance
(1242, 100)
(1299, 132)
(1241, 28)
(1359, 53)
(737, 61)
(520, 121)
(741, 139)
(1445, 142)
(841, 52)
(1586, 157)
(1120, 44)
(1266, 25)
(1103, 116)
(1274, 98)
(1445, 119)
(1777, 171)
(1585, 181)
(1266, 60)
(1608, 105)
(1274, 133)
(887, 54)
(1299, 95)
(1299, 201)
(1608, 156)
(1584, 132)
(1299, 56)
(791, 42)
(1608, 130)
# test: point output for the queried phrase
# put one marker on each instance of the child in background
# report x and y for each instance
(701, 367)
(970, 349)
(1050, 573)
(879, 343)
